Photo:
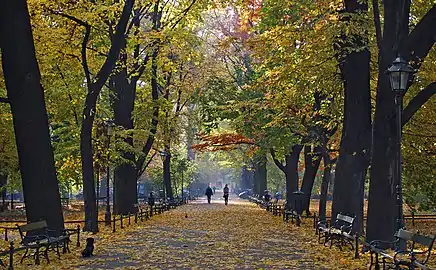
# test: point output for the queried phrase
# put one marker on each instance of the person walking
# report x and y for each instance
(209, 193)
(226, 194)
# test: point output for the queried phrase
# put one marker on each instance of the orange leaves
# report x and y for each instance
(222, 142)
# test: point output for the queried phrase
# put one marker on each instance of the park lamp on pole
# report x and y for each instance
(399, 73)
(163, 156)
(183, 168)
(109, 125)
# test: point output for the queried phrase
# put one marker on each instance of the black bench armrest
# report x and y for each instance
(322, 223)
(346, 228)
(62, 231)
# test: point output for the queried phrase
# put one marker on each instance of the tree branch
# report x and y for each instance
(74, 19)
(416, 103)
(277, 162)
(146, 165)
(183, 14)
(84, 60)
(378, 32)
(419, 42)
(117, 42)
(84, 56)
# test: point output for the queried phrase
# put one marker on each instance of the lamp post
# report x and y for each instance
(399, 73)
(163, 156)
(109, 124)
(183, 167)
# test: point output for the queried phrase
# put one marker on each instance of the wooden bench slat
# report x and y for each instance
(33, 226)
(424, 240)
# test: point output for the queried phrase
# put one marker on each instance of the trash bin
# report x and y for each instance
(298, 202)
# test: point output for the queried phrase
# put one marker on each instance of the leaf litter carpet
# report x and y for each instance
(204, 236)
(207, 236)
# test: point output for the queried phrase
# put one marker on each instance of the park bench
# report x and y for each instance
(415, 254)
(340, 231)
(38, 237)
(255, 199)
(293, 214)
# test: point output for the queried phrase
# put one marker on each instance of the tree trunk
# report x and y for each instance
(157, 16)
(311, 165)
(123, 105)
(244, 183)
(328, 163)
(167, 173)
(262, 172)
(256, 189)
(89, 197)
(260, 175)
(356, 135)
(26, 95)
(382, 210)
(292, 172)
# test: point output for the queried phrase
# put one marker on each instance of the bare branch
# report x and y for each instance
(416, 103)
(74, 19)
(183, 14)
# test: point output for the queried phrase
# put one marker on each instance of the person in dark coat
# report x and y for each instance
(209, 193)
(226, 194)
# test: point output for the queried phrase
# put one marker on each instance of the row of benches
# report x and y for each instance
(410, 250)
(276, 208)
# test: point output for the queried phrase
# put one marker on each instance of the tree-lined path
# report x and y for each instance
(239, 236)
(105, 104)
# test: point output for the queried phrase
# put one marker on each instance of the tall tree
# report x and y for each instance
(94, 86)
(414, 47)
(353, 56)
(26, 98)
(123, 84)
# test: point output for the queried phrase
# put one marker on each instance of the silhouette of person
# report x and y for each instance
(226, 194)
(209, 193)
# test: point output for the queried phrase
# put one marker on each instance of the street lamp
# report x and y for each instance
(399, 73)
(163, 156)
(183, 167)
(109, 124)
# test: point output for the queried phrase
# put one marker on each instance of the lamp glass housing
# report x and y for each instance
(399, 73)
